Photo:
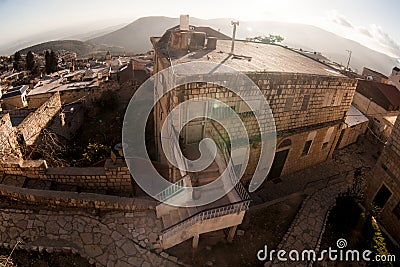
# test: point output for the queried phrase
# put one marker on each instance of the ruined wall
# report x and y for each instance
(111, 177)
(89, 94)
(9, 148)
(35, 122)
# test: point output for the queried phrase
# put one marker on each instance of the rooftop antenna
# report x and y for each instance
(348, 62)
(234, 23)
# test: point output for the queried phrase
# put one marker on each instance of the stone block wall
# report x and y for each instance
(88, 94)
(35, 122)
(75, 200)
(387, 172)
(300, 103)
(111, 177)
(9, 148)
(394, 140)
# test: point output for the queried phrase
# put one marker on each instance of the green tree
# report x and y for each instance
(270, 39)
(51, 62)
(17, 56)
(30, 61)
(17, 59)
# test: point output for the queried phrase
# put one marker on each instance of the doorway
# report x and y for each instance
(278, 164)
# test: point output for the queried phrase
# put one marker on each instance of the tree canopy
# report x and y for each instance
(270, 39)
(30, 61)
(51, 62)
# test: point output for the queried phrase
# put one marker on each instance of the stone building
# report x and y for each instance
(380, 102)
(384, 186)
(309, 100)
(372, 75)
(394, 77)
(14, 98)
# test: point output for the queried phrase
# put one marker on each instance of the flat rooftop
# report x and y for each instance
(257, 57)
(55, 85)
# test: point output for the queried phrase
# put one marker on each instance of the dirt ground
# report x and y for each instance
(44, 259)
(263, 225)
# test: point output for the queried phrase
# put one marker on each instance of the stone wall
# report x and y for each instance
(387, 172)
(351, 134)
(114, 177)
(394, 140)
(31, 127)
(89, 94)
(9, 148)
(74, 200)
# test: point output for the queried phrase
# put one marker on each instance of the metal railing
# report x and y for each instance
(173, 189)
(207, 214)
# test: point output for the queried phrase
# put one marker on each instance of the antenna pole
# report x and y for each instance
(234, 23)
(348, 62)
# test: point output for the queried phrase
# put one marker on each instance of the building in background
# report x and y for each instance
(372, 75)
(380, 103)
(14, 98)
(394, 77)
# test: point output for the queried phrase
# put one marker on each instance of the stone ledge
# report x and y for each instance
(74, 199)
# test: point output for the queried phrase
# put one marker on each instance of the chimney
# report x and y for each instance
(184, 23)
(234, 23)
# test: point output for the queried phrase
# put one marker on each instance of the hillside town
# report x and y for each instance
(68, 194)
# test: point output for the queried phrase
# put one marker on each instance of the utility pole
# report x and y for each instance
(348, 62)
(234, 23)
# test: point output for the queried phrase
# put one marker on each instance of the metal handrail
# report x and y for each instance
(207, 214)
(173, 189)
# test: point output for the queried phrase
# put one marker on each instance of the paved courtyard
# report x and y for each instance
(115, 239)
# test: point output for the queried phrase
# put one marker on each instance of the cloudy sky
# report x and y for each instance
(374, 23)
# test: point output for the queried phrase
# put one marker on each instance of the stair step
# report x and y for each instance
(183, 213)
(205, 178)
(175, 216)
(212, 168)
(167, 221)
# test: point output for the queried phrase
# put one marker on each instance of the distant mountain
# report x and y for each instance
(82, 49)
(95, 33)
(81, 32)
(135, 38)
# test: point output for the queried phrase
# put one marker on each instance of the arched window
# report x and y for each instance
(285, 143)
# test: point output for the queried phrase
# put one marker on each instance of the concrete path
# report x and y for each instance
(115, 239)
(308, 226)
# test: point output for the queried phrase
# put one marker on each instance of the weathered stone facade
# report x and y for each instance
(31, 127)
(302, 105)
(113, 177)
(386, 178)
(9, 148)
(88, 94)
